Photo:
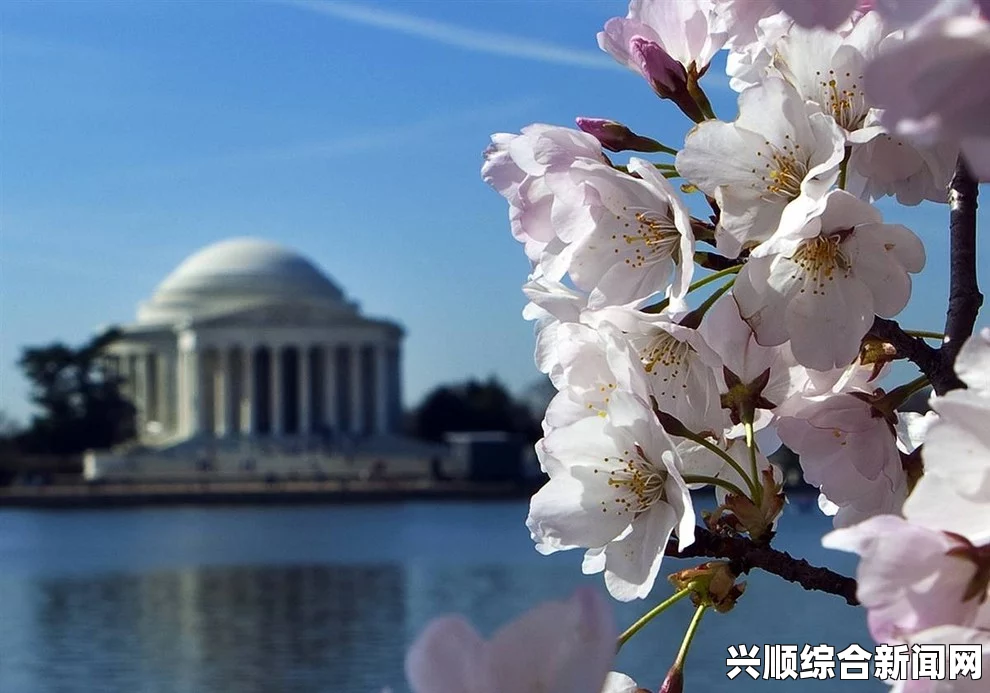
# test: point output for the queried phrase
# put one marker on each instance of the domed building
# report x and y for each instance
(248, 341)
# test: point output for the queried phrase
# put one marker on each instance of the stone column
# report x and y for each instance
(169, 376)
(276, 388)
(220, 391)
(303, 375)
(357, 411)
(330, 377)
(148, 370)
(161, 389)
(247, 402)
(139, 372)
(381, 388)
(190, 399)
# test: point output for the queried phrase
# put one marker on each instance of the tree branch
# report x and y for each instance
(744, 555)
(914, 349)
(965, 298)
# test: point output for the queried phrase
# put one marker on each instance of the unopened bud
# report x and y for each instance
(617, 137)
(667, 76)
(674, 683)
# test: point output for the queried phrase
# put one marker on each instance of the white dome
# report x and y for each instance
(237, 273)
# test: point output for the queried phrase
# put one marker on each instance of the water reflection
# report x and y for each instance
(327, 599)
(253, 630)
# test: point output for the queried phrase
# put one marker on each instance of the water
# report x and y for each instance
(327, 598)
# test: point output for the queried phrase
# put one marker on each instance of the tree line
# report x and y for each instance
(80, 406)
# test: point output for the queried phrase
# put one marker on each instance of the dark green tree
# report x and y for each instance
(80, 401)
(472, 406)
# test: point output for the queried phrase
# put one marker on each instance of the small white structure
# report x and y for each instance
(248, 343)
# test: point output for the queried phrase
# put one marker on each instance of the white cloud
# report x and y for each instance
(458, 36)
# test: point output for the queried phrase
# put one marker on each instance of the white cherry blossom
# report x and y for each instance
(816, 13)
(924, 84)
(768, 170)
(517, 165)
(551, 304)
(749, 62)
(946, 636)
(827, 68)
(589, 374)
(850, 453)
(677, 366)
(686, 30)
(821, 286)
(954, 493)
(619, 683)
(615, 488)
(734, 341)
(893, 165)
(634, 236)
(740, 19)
(907, 579)
(557, 647)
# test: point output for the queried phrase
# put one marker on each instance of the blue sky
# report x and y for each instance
(133, 134)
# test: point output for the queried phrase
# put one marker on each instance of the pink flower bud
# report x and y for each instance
(674, 683)
(617, 137)
(666, 75)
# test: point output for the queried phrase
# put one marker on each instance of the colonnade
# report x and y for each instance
(263, 390)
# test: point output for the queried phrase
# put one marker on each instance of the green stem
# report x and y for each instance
(715, 276)
(753, 468)
(900, 394)
(925, 334)
(689, 636)
(694, 318)
(651, 614)
(699, 96)
(844, 168)
(728, 460)
(714, 481)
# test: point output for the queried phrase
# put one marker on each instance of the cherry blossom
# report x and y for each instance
(821, 286)
(749, 62)
(924, 86)
(740, 19)
(893, 165)
(517, 165)
(815, 13)
(909, 578)
(615, 488)
(558, 647)
(768, 170)
(954, 493)
(945, 636)
(686, 31)
(551, 304)
(633, 235)
(746, 360)
(849, 451)
(620, 683)
(677, 366)
(827, 68)
(588, 376)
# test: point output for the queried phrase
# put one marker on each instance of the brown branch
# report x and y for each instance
(965, 298)
(744, 555)
(914, 349)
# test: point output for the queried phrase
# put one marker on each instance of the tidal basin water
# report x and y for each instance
(325, 599)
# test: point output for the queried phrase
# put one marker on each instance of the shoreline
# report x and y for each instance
(118, 495)
(260, 493)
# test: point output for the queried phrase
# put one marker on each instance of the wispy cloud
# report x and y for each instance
(352, 141)
(397, 134)
(457, 36)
